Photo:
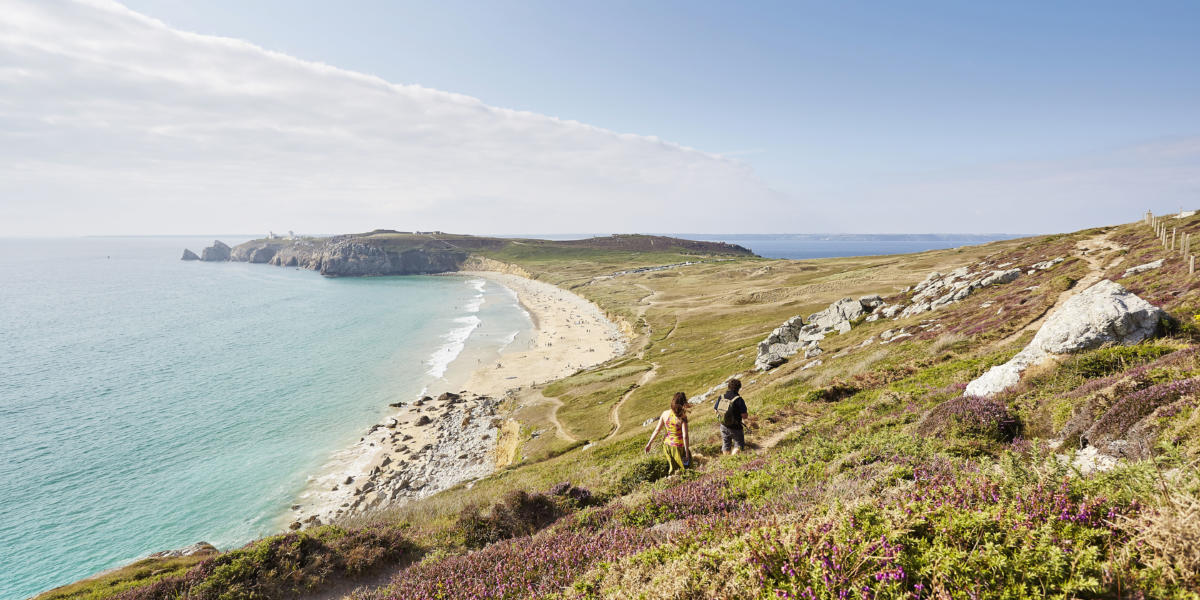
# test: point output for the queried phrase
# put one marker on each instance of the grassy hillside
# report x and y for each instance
(872, 475)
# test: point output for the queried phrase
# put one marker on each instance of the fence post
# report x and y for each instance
(1191, 264)
(1172, 248)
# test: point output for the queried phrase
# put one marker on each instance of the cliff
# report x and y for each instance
(386, 252)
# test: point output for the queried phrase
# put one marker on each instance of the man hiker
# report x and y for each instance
(733, 436)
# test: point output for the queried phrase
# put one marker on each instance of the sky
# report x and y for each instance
(182, 117)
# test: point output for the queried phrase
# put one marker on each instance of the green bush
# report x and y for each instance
(1107, 361)
(647, 470)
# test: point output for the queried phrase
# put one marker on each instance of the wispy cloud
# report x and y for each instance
(111, 121)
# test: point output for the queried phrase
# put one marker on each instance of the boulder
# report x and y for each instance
(1046, 264)
(1105, 313)
(997, 277)
(769, 361)
(217, 252)
(189, 255)
(846, 309)
(871, 302)
(891, 311)
(1150, 266)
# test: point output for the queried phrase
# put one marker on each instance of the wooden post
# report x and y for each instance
(1191, 264)
(1172, 247)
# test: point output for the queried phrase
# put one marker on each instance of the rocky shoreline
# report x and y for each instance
(434, 443)
(427, 446)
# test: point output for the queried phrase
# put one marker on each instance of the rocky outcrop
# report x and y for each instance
(796, 335)
(197, 549)
(189, 255)
(938, 290)
(1105, 313)
(1150, 266)
(217, 252)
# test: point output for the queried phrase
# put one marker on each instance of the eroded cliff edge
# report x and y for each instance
(388, 252)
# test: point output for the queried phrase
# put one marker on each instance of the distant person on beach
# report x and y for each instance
(733, 434)
(676, 444)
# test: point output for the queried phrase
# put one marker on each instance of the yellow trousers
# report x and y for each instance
(674, 458)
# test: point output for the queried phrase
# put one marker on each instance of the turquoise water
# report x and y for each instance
(148, 403)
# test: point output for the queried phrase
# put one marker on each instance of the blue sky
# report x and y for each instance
(1085, 113)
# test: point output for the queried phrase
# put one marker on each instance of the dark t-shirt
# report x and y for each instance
(733, 410)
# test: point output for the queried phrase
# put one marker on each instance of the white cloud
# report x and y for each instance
(112, 122)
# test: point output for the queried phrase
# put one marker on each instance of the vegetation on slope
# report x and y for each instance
(876, 478)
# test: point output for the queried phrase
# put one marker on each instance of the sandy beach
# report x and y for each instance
(433, 443)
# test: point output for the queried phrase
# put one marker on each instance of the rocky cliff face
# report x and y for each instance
(219, 251)
(342, 256)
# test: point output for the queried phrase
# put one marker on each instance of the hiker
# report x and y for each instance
(676, 444)
(733, 434)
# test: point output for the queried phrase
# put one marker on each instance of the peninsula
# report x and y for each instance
(1013, 419)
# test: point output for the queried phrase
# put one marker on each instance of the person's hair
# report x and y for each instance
(679, 405)
(733, 385)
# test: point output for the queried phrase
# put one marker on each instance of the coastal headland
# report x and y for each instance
(1042, 394)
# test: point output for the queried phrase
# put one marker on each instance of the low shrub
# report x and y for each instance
(518, 513)
(1106, 361)
(831, 393)
(971, 416)
(646, 470)
(284, 566)
(1132, 408)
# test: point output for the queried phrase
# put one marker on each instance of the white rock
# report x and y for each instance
(1000, 277)
(1046, 264)
(1102, 314)
(1150, 266)
(846, 309)
(815, 363)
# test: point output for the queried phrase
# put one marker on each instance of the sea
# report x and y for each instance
(147, 403)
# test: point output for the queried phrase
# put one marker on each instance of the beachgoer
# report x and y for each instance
(733, 434)
(676, 444)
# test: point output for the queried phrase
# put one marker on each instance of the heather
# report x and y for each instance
(871, 475)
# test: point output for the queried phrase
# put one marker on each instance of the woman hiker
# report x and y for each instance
(733, 434)
(676, 444)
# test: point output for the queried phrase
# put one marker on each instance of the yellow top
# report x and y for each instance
(674, 431)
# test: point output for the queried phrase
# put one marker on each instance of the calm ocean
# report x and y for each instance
(148, 403)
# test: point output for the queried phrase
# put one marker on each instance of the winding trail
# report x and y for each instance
(1090, 250)
(615, 414)
(558, 426)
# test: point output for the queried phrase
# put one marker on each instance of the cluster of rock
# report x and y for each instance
(938, 290)
(934, 292)
(197, 549)
(1105, 313)
(431, 445)
(796, 335)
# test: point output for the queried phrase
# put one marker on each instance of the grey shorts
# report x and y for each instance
(732, 438)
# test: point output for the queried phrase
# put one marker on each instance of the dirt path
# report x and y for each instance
(558, 426)
(614, 415)
(1091, 250)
